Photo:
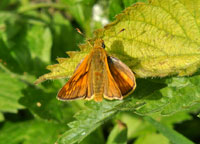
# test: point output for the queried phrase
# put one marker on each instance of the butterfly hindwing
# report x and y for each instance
(111, 90)
(122, 75)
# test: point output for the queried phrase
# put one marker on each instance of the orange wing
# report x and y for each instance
(122, 75)
(77, 86)
(111, 90)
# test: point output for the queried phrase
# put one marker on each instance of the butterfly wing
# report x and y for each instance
(77, 86)
(122, 75)
(111, 90)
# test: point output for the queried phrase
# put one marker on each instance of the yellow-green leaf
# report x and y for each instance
(162, 37)
(154, 39)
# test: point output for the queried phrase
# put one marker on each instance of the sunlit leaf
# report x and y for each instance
(160, 38)
(10, 93)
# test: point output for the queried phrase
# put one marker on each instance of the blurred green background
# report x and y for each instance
(33, 33)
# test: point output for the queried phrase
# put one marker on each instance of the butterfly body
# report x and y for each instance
(98, 56)
(98, 76)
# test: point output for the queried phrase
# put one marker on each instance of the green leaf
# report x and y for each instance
(39, 40)
(118, 134)
(180, 95)
(96, 137)
(87, 121)
(65, 37)
(157, 39)
(45, 105)
(128, 3)
(198, 115)
(29, 132)
(152, 138)
(10, 93)
(161, 38)
(171, 134)
(115, 7)
(176, 118)
(136, 125)
(1, 117)
(183, 93)
(81, 11)
(65, 67)
(18, 45)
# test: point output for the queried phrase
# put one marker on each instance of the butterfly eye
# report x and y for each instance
(103, 45)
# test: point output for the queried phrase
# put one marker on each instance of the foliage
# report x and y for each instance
(158, 40)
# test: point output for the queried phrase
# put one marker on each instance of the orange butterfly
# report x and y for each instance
(98, 76)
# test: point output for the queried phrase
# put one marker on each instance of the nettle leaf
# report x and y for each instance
(44, 105)
(179, 95)
(66, 66)
(87, 121)
(39, 40)
(161, 38)
(10, 93)
(98, 113)
(156, 39)
(32, 131)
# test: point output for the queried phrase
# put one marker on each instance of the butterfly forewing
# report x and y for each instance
(77, 86)
(122, 75)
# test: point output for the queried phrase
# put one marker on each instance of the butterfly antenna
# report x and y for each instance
(80, 32)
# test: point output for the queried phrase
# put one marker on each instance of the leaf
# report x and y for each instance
(18, 46)
(128, 3)
(171, 134)
(118, 134)
(136, 125)
(1, 117)
(198, 115)
(152, 138)
(39, 40)
(81, 11)
(45, 105)
(64, 36)
(96, 137)
(162, 37)
(176, 118)
(87, 121)
(97, 114)
(183, 93)
(156, 39)
(10, 93)
(29, 132)
(180, 95)
(65, 67)
(115, 7)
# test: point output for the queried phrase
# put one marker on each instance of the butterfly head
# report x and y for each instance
(99, 43)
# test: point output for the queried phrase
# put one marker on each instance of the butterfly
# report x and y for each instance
(99, 76)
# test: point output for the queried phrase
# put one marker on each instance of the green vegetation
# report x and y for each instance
(159, 40)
